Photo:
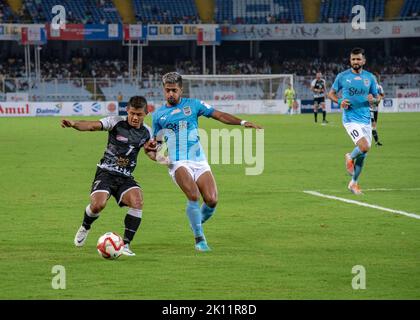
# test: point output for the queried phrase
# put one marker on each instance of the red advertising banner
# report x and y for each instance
(70, 32)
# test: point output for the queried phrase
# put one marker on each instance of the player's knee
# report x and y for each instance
(212, 202)
(364, 147)
(97, 206)
(193, 196)
(136, 203)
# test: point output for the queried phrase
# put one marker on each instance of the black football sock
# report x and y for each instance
(324, 115)
(375, 135)
(89, 218)
(316, 116)
(132, 223)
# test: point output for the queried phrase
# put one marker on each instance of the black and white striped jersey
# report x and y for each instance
(124, 144)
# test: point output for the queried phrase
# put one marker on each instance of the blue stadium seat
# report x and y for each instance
(410, 9)
(165, 11)
(257, 11)
(340, 10)
(77, 11)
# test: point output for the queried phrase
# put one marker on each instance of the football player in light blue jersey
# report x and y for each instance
(358, 92)
(176, 124)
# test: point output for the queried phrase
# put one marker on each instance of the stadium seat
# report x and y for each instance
(410, 9)
(340, 10)
(165, 11)
(258, 11)
(77, 11)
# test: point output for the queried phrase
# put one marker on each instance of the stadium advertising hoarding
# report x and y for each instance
(106, 108)
(321, 31)
(251, 106)
(407, 93)
(85, 32)
(9, 31)
(385, 29)
(24, 109)
(258, 32)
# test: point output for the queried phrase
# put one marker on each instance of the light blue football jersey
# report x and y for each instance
(356, 87)
(178, 126)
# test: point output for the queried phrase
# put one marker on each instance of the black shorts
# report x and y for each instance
(374, 116)
(115, 184)
(319, 100)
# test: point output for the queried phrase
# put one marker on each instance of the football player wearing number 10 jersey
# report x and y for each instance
(176, 124)
(359, 91)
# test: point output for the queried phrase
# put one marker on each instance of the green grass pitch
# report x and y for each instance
(269, 239)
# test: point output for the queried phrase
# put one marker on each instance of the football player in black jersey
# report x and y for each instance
(374, 108)
(126, 136)
(318, 88)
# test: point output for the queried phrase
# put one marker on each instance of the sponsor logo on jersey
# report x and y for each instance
(175, 111)
(357, 78)
(122, 162)
(187, 110)
(356, 91)
(121, 138)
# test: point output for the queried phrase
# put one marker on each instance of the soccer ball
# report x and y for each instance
(110, 245)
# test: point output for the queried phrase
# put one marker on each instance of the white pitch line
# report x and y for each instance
(318, 194)
(385, 189)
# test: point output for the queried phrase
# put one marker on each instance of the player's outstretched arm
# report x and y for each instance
(227, 118)
(82, 125)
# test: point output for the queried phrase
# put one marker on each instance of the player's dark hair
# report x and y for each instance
(172, 78)
(358, 50)
(138, 102)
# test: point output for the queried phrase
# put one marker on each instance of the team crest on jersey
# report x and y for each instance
(367, 82)
(175, 111)
(187, 110)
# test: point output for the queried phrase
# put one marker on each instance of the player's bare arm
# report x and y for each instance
(374, 100)
(227, 118)
(82, 125)
(344, 103)
(153, 151)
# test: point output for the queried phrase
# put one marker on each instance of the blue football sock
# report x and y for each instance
(206, 212)
(355, 153)
(358, 165)
(194, 215)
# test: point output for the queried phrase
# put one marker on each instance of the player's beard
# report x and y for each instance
(172, 101)
(356, 67)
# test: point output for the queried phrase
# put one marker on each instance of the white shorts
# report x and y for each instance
(194, 168)
(357, 131)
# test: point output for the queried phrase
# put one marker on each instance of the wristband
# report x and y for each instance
(243, 122)
(339, 102)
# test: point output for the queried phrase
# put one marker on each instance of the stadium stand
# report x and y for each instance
(410, 9)
(341, 10)
(259, 11)
(7, 15)
(78, 11)
(166, 11)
